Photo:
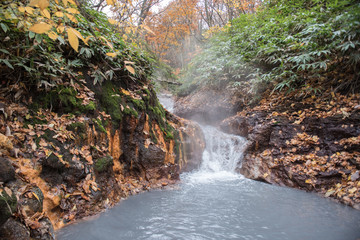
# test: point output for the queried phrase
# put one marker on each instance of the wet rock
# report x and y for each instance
(45, 231)
(153, 155)
(192, 146)
(259, 137)
(7, 172)
(31, 201)
(14, 230)
(208, 105)
(235, 125)
(8, 205)
(56, 170)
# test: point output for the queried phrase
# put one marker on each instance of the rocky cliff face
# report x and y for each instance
(309, 144)
(75, 151)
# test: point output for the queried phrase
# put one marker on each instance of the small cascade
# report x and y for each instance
(222, 155)
(223, 151)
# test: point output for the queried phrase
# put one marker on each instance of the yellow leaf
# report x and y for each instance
(78, 34)
(36, 196)
(112, 21)
(308, 181)
(73, 39)
(128, 62)
(34, 3)
(72, 10)
(107, 42)
(40, 28)
(87, 39)
(59, 14)
(60, 29)
(130, 69)
(65, 2)
(125, 92)
(45, 13)
(29, 10)
(111, 54)
(53, 35)
(71, 17)
(21, 9)
(110, 2)
(43, 4)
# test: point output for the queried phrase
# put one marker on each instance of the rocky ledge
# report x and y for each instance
(303, 142)
(76, 150)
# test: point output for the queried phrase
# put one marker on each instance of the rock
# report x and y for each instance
(8, 205)
(55, 170)
(14, 230)
(31, 201)
(103, 164)
(7, 172)
(208, 105)
(45, 232)
(53, 161)
(192, 145)
(235, 125)
(259, 138)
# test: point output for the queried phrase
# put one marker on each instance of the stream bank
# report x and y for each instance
(215, 202)
(76, 150)
(297, 140)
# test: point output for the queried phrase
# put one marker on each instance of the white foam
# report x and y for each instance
(222, 155)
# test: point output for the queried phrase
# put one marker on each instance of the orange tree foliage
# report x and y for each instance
(178, 29)
(172, 28)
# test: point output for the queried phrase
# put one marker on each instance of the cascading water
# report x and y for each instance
(222, 155)
(214, 202)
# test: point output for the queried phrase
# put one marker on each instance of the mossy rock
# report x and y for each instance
(62, 99)
(8, 205)
(33, 120)
(110, 101)
(102, 164)
(77, 127)
(130, 111)
(138, 103)
(99, 125)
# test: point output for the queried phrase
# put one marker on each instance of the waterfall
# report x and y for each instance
(223, 153)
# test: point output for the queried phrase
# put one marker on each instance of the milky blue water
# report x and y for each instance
(216, 203)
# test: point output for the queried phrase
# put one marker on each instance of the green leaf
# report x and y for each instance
(4, 27)
(7, 63)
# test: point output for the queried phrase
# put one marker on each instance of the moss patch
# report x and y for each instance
(99, 125)
(8, 205)
(111, 100)
(61, 99)
(102, 164)
(77, 127)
